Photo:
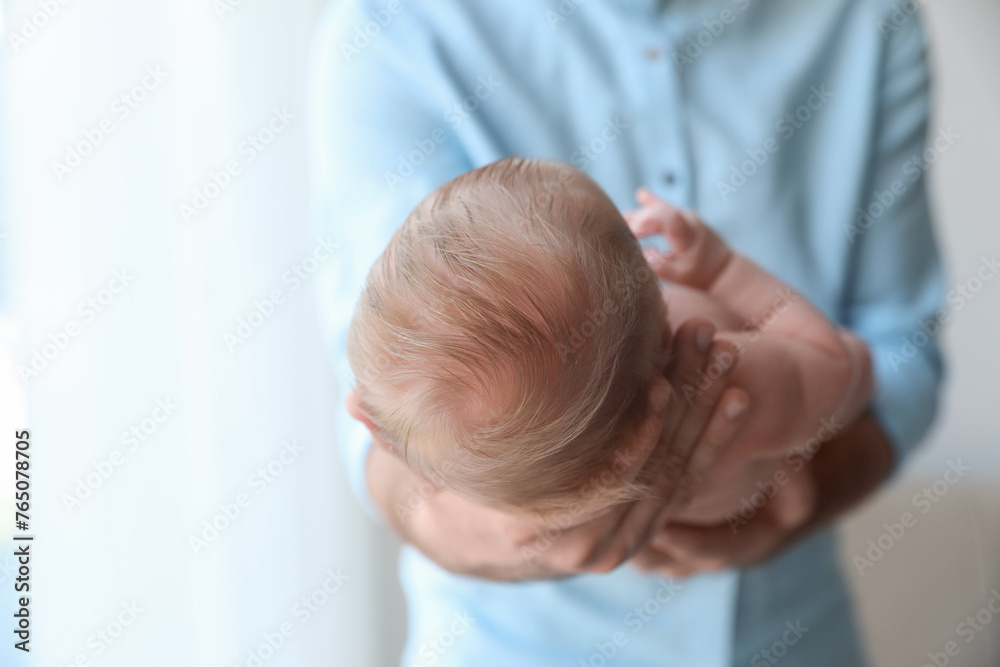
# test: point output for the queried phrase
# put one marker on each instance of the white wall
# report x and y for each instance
(162, 337)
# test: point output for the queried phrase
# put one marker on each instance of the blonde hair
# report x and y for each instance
(506, 338)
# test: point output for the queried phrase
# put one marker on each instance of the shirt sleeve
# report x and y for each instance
(379, 144)
(896, 290)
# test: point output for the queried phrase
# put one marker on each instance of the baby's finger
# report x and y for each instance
(656, 220)
(666, 222)
(645, 197)
(660, 263)
(638, 221)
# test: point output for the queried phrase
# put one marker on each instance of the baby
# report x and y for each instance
(506, 340)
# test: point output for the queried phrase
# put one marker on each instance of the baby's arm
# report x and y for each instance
(699, 258)
(833, 363)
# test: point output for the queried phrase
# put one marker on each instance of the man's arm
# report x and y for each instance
(896, 286)
(838, 477)
(847, 470)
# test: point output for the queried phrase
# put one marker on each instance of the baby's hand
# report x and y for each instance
(697, 255)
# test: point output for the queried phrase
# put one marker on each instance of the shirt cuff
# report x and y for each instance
(905, 405)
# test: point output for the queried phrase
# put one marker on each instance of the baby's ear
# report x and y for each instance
(356, 409)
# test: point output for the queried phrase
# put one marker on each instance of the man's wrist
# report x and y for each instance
(848, 469)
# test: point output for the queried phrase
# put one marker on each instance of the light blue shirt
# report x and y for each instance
(796, 129)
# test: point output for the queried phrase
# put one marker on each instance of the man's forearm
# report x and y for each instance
(848, 469)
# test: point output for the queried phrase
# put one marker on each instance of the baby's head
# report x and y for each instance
(506, 339)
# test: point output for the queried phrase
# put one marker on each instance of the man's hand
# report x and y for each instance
(823, 486)
(471, 539)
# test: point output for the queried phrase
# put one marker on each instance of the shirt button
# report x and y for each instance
(669, 178)
(652, 53)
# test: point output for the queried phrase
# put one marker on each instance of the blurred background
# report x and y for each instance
(160, 340)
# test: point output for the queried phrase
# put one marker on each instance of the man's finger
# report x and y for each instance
(701, 388)
(727, 421)
(697, 387)
(622, 537)
(714, 547)
(679, 438)
(656, 561)
(691, 343)
(689, 354)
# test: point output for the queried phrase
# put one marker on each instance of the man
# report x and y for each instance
(791, 128)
